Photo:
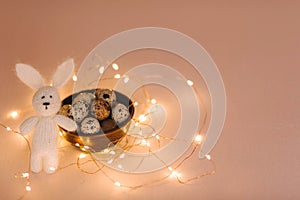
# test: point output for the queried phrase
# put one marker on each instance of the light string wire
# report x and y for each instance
(127, 146)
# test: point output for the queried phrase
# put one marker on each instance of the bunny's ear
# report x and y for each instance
(30, 76)
(63, 73)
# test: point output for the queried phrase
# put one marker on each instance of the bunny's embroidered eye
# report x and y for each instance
(43, 97)
(50, 96)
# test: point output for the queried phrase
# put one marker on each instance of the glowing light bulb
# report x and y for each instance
(120, 166)
(190, 83)
(52, 168)
(208, 157)
(74, 78)
(153, 101)
(157, 137)
(175, 174)
(86, 147)
(136, 103)
(28, 188)
(60, 133)
(170, 168)
(106, 150)
(125, 79)
(8, 129)
(101, 70)
(110, 161)
(77, 144)
(143, 142)
(14, 114)
(142, 118)
(122, 155)
(117, 76)
(198, 138)
(25, 175)
(82, 155)
(115, 66)
(118, 184)
(136, 124)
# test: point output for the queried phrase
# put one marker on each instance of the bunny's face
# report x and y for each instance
(46, 101)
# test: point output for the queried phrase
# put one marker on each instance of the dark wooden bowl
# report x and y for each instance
(104, 138)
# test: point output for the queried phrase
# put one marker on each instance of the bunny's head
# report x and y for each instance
(46, 100)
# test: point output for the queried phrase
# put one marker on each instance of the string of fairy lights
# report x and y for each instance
(126, 143)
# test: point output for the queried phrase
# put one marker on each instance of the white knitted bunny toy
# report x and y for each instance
(46, 103)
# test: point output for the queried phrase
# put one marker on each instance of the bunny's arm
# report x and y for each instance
(65, 122)
(27, 126)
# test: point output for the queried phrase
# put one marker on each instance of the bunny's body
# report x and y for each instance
(46, 102)
(44, 145)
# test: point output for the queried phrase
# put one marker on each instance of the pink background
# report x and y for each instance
(256, 46)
